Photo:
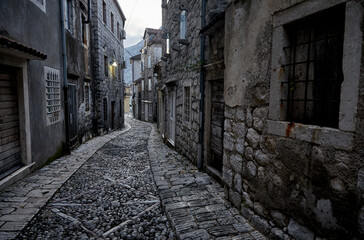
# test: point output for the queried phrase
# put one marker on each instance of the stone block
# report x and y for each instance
(240, 145)
(252, 138)
(239, 129)
(259, 115)
(235, 198)
(249, 153)
(237, 183)
(247, 200)
(249, 118)
(246, 212)
(298, 231)
(261, 158)
(229, 112)
(323, 213)
(252, 169)
(236, 162)
(227, 176)
(228, 142)
(240, 115)
(337, 184)
(260, 224)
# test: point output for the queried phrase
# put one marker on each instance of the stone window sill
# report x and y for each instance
(323, 136)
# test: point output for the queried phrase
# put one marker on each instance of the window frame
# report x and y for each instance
(106, 66)
(341, 138)
(112, 22)
(104, 12)
(183, 25)
(69, 15)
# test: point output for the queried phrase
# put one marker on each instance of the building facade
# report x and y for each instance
(79, 70)
(281, 108)
(32, 123)
(151, 54)
(107, 33)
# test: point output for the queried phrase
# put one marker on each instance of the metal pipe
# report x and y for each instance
(202, 89)
(65, 83)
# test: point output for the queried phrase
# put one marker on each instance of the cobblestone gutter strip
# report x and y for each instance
(193, 202)
(21, 202)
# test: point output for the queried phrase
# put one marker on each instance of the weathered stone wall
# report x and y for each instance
(182, 68)
(291, 181)
(79, 69)
(106, 43)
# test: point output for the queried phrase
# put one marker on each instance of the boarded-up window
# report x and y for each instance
(53, 94)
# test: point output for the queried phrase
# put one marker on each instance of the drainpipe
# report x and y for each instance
(202, 89)
(65, 83)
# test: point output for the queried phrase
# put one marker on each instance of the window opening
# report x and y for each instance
(315, 51)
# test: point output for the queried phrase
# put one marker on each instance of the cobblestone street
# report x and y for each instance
(113, 196)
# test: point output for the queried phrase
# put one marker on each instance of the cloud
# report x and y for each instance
(147, 13)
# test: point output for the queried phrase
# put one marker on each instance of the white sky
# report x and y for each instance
(147, 13)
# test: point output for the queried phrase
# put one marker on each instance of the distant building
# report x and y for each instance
(127, 99)
(108, 33)
(150, 56)
(135, 62)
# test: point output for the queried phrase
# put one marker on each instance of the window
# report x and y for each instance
(183, 25)
(106, 66)
(112, 22)
(167, 44)
(112, 70)
(149, 84)
(187, 104)
(149, 61)
(142, 64)
(53, 94)
(104, 18)
(87, 96)
(69, 15)
(324, 16)
(118, 30)
(313, 83)
(40, 3)
(121, 108)
(142, 85)
(105, 109)
(84, 34)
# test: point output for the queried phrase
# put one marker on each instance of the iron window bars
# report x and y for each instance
(313, 84)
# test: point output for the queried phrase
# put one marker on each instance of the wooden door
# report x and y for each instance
(172, 117)
(10, 154)
(217, 124)
(113, 114)
(73, 114)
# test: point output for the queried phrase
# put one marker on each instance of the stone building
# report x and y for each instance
(151, 54)
(293, 142)
(135, 62)
(127, 97)
(79, 67)
(282, 108)
(180, 75)
(107, 33)
(32, 123)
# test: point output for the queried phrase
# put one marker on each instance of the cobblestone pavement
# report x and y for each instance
(193, 201)
(113, 195)
(20, 202)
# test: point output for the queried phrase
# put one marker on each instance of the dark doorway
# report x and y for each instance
(72, 108)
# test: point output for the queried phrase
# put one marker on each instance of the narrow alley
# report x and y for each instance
(113, 196)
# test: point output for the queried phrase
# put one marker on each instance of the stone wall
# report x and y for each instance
(302, 179)
(182, 69)
(79, 68)
(106, 43)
